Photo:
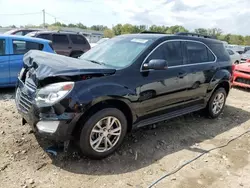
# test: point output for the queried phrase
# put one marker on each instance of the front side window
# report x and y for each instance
(60, 39)
(198, 53)
(21, 47)
(118, 52)
(2, 47)
(170, 51)
(77, 39)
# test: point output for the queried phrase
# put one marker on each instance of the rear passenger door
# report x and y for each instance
(17, 49)
(201, 66)
(61, 44)
(4, 63)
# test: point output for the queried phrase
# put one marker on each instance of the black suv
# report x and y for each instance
(64, 43)
(128, 82)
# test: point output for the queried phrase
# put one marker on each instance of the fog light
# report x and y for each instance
(47, 126)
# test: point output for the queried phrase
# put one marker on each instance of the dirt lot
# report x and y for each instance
(146, 154)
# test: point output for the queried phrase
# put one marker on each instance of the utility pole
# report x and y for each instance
(43, 18)
(55, 20)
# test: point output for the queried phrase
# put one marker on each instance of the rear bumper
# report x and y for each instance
(45, 121)
(241, 79)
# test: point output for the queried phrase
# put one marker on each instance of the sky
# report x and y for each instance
(232, 16)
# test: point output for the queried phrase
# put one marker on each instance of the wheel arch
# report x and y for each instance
(106, 102)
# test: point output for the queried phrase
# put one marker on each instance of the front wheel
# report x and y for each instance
(103, 133)
(216, 103)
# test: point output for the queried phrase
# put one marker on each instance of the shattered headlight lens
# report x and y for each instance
(53, 93)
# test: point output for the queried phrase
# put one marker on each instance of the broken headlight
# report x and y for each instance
(53, 93)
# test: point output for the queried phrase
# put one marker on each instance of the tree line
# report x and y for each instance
(120, 29)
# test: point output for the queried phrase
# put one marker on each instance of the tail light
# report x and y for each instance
(248, 61)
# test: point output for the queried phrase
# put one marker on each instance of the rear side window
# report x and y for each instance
(198, 53)
(2, 47)
(21, 47)
(44, 36)
(60, 39)
(170, 51)
(77, 39)
(220, 51)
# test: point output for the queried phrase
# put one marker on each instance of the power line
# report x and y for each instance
(21, 14)
(57, 18)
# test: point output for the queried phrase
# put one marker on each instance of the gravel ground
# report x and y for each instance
(146, 154)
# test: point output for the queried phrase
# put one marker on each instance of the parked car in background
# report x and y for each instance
(235, 56)
(12, 49)
(127, 82)
(241, 75)
(245, 57)
(99, 42)
(246, 48)
(20, 32)
(64, 43)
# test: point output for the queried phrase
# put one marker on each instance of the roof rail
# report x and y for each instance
(67, 31)
(195, 35)
(152, 32)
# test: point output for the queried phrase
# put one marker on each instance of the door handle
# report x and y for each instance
(182, 74)
(69, 47)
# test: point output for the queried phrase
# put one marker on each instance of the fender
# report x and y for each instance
(219, 77)
(96, 93)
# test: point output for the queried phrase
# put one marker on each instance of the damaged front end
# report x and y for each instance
(45, 95)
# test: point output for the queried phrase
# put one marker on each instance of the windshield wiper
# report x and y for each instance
(96, 62)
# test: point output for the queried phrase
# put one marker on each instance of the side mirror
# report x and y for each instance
(156, 64)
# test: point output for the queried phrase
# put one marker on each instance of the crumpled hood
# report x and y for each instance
(51, 65)
(243, 67)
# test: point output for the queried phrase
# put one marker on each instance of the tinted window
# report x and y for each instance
(77, 39)
(170, 51)
(44, 36)
(198, 53)
(230, 52)
(2, 47)
(60, 39)
(21, 47)
(220, 51)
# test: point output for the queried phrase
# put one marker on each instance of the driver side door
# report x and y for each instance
(163, 89)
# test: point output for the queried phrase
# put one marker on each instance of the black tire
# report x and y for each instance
(85, 145)
(236, 62)
(209, 108)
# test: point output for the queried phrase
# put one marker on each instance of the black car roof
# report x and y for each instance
(157, 36)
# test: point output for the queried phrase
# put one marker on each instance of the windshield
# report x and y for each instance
(117, 52)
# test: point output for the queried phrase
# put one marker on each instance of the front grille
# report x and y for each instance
(243, 80)
(30, 85)
(242, 71)
(24, 102)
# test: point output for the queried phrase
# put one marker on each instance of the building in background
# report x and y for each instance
(91, 35)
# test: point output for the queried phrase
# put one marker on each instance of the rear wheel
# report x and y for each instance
(103, 133)
(216, 103)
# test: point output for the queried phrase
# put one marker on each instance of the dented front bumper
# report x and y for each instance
(45, 120)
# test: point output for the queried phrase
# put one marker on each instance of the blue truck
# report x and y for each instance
(12, 49)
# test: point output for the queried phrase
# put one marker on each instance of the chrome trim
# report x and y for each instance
(184, 65)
